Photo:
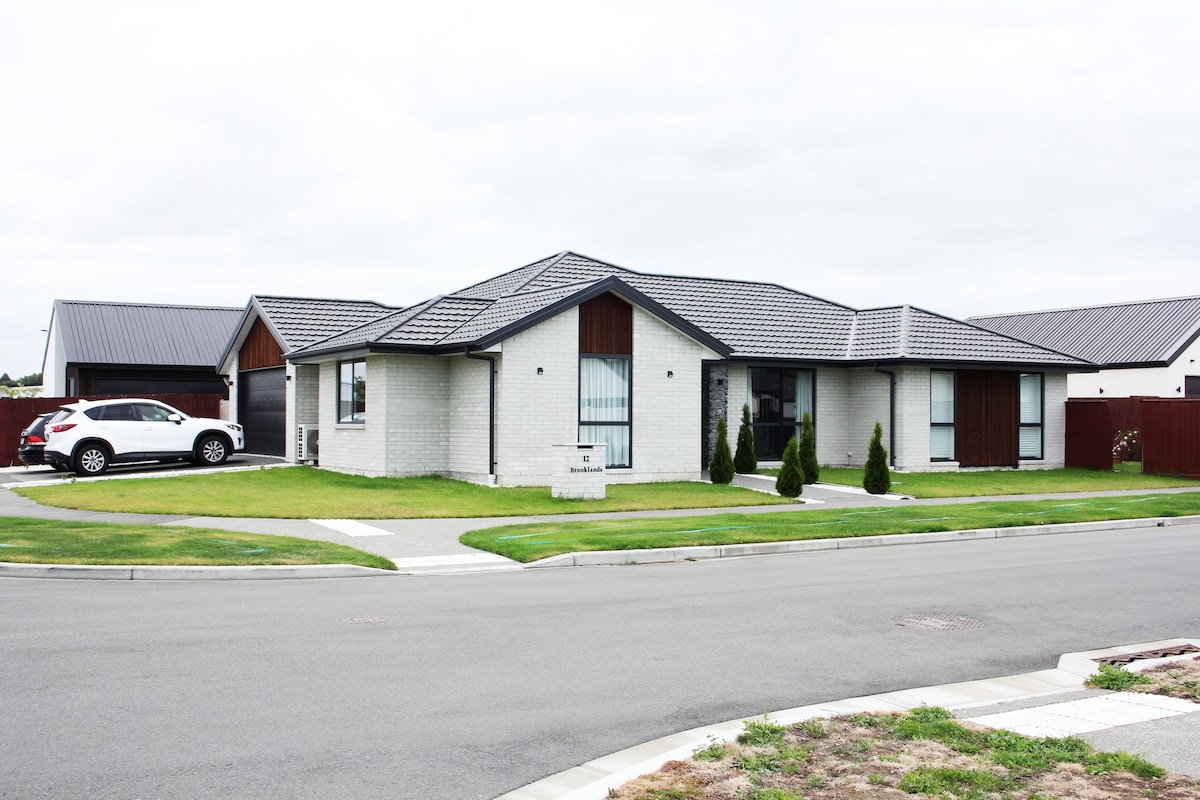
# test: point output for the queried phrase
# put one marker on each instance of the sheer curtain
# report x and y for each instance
(604, 397)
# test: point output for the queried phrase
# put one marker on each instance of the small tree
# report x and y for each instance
(720, 469)
(808, 450)
(790, 482)
(744, 460)
(876, 478)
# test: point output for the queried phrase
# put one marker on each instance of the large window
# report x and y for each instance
(941, 416)
(604, 405)
(1030, 437)
(352, 392)
(778, 400)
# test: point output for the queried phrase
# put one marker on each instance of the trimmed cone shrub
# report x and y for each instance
(876, 478)
(790, 482)
(745, 461)
(720, 469)
(808, 450)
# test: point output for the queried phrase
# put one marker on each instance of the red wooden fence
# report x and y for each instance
(17, 412)
(1089, 434)
(1170, 435)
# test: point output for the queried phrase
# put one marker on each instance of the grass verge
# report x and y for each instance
(307, 493)
(531, 542)
(999, 482)
(41, 541)
(926, 752)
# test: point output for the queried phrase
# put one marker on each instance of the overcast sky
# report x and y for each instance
(966, 157)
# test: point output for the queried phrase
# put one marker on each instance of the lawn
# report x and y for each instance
(308, 493)
(532, 542)
(1013, 481)
(41, 541)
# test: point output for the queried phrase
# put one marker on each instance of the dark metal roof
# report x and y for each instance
(1144, 333)
(737, 319)
(143, 334)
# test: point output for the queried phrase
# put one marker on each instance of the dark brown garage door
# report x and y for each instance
(261, 394)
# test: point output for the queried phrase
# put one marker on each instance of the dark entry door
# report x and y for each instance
(261, 399)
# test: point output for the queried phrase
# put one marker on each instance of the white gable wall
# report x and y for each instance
(1141, 382)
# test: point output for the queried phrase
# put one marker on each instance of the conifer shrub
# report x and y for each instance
(808, 450)
(745, 460)
(720, 469)
(876, 477)
(790, 482)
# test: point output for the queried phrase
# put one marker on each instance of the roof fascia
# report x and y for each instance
(605, 285)
(240, 333)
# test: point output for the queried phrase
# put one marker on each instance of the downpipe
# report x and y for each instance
(491, 408)
(891, 413)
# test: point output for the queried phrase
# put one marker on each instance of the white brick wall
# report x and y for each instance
(468, 419)
(1054, 421)
(537, 411)
(912, 421)
(301, 403)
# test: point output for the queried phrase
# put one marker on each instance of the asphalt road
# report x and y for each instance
(468, 686)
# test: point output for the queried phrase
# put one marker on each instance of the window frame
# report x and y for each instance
(952, 424)
(627, 423)
(757, 424)
(1040, 424)
(354, 364)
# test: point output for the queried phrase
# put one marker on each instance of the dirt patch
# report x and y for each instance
(1179, 679)
(924, 753)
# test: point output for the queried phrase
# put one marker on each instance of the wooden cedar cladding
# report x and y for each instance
(260, 349)
(606, 326)
(987, 409)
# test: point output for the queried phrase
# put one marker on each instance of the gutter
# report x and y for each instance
(491, 407)
(891, 412)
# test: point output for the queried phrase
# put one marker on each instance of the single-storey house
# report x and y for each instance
(1147, 348)
(95, 348)
(480, 384)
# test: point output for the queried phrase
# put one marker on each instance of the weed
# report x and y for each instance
(813, 728)
(761, 733)
(1106, 763)
(938, 724)
(814, 781)
(672, 793)
(1115, 677)
(965, 784)
(715, 750)
(862, 745)
(870, 720)
(771, 794)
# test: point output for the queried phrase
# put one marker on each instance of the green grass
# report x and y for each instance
(307, 493)
(40, 541)
(1014, 481)
(532, 542)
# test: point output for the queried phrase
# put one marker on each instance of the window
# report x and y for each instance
(1191, 385)
(1029, 439)
(604, 405)
(352, 391)
(941, 416)
(778, 400)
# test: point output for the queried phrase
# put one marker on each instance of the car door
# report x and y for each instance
(118, 425)
(160, 434)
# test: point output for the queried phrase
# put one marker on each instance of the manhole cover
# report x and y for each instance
(939, 622)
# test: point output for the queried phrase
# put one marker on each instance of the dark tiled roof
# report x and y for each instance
(143, 334)
(741, 319)
(1149, 332)
(299, 321)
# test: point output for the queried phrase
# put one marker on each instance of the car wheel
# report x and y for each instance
(211, 450)
(92, 459)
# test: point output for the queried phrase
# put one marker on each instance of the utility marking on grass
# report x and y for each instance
(929, 519)
(880, 511)
(256, 550)
(1140, 500)
(351, 527)
(2, 544)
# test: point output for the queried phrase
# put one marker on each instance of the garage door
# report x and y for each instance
(261, 394)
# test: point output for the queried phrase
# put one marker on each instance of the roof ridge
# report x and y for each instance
(131, 304)
(905, 328)
(852, 333)
(409, 312)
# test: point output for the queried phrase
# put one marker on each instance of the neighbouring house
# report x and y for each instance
(95, 348)
(480, 384)
(1147, 348)
(252, 361)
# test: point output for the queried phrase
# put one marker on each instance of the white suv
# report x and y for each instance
(87, 437)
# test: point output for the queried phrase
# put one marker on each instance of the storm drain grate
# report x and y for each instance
(939, 622)
(362, 620)
(1164, 652)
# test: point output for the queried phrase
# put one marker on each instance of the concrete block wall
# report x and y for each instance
(868, 396)
(1054, 422)
(357, 449)
(415, 398)
(536, 411)
(833, 416)
(302, 401)
(667, 411)
(468, 419)
(912, 421)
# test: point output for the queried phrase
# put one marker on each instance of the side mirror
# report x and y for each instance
(178, 420)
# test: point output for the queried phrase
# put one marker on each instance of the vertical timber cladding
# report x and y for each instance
(606, 326)
(987, 418)
(262, 392)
